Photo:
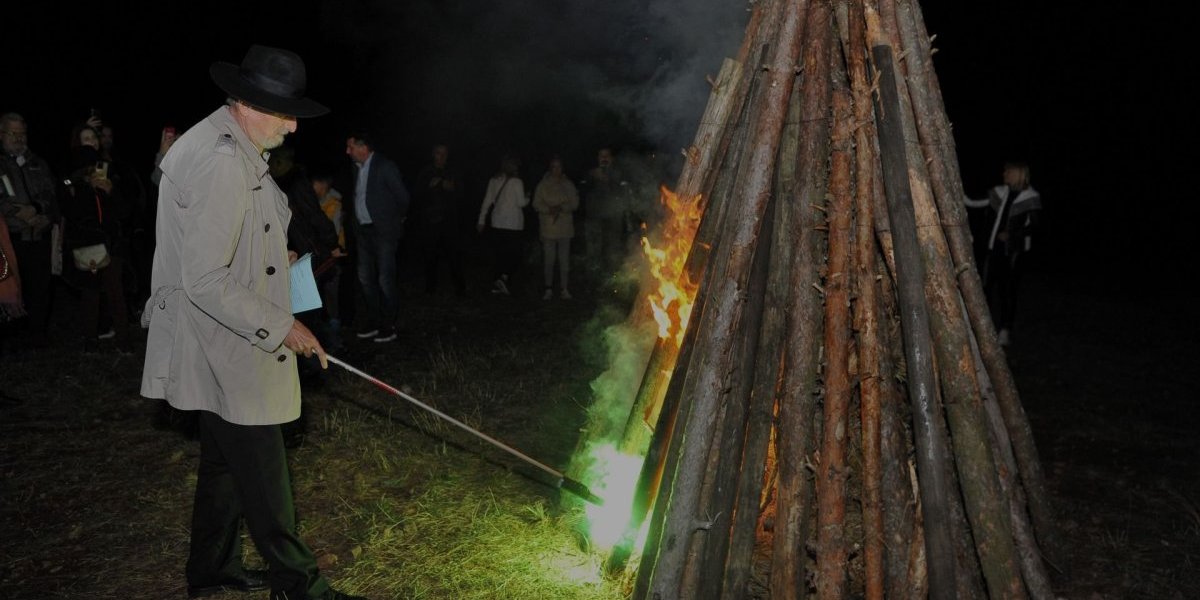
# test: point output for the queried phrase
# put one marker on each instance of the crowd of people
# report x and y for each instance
(84, 231)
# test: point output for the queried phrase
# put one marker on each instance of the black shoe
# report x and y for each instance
(369, 332)
(252, 580)
(386, 334)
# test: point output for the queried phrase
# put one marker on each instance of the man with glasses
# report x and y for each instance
(29, 203)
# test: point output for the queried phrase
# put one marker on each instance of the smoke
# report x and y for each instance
(572, 75)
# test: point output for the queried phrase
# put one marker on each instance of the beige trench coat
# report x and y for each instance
(221, 305)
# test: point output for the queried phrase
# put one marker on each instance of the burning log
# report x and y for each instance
(836, 241)
(723, 314)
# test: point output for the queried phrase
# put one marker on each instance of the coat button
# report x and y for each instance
(282, 357)
(267, 227)
(270, 270)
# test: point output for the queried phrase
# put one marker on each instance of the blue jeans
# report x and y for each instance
(378, 276)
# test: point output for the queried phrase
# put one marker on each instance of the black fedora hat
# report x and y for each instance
(272, 79)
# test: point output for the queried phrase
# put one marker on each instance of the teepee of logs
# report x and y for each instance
(838, 418)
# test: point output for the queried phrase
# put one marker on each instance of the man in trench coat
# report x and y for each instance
(222, 339)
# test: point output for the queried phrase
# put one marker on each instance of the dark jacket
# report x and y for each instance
(437, 207)
(32, 184)
(387, 198)
(309, 231)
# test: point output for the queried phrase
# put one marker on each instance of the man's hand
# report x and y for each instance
(302, 341)
(338, 253)
(292, 257)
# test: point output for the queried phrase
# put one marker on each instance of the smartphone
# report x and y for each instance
(102, 169)
(95, 112)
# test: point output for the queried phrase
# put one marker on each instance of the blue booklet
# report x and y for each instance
(305, 296)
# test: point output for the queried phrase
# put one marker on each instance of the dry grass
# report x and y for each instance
(394, 502)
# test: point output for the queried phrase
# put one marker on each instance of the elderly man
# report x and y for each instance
(222, 338)
(29, 204)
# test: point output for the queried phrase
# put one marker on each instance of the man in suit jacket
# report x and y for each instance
(222, 338)
(378, 207)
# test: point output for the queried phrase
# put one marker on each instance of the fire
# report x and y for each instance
(615, 476)
(671, 302)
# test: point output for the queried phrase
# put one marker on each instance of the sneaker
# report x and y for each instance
(108, 335)
(499, 287)
(548, 294)
(369, 332)
(1003, 335)
(387, 334)
(565, 295)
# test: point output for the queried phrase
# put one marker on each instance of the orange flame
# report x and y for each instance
(671, 302)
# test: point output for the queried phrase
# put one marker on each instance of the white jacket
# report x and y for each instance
(508, 196)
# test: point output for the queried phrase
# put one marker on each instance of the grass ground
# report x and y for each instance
(396, 504)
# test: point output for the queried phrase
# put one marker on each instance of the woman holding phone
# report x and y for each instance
(94, 247)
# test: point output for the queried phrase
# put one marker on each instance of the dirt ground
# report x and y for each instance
(96, 493)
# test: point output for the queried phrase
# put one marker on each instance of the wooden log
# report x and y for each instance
(718, 182)
(987, 509)
(928, 427)
(801, 357)
(1033, 568)
(832, 469)
(700, 157)
(865, 322)
(761, 420)
(724, 313)
(706, 566)
(938, 143)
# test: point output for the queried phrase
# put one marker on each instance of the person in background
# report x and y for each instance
(502, 212)
(139, 222)
(438, 194)
(379, 210)
(95, 215)
(308, 232)
(1014, 208)
(555, 201)
(222, 340)
(607, 204)
(332, 288)
(29, 204)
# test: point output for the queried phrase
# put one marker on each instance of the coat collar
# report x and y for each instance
(223, 120)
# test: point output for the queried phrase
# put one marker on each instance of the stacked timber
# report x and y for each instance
(839, 419)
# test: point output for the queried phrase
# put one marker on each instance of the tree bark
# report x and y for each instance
(724, 313)
(927, 412)
(801, 359)
(938, 141)
(761, 421)
(865, 322)
(832, 470)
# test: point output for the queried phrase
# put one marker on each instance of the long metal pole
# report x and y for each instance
(564, 482)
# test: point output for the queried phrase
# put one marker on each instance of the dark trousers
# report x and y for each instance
(1003, 280)
(441, 242)
(243, 474)
(509, 248)
(33, 258)
(110, 285)
(378, 276)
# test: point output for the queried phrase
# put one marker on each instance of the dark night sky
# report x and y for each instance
(1084, 94)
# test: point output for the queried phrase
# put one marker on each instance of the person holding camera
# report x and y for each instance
(94, 245)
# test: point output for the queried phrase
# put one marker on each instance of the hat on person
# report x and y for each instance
(272, 79)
